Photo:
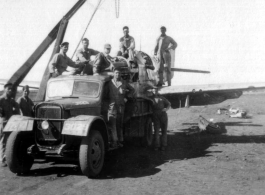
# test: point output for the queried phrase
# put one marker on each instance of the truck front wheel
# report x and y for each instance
(17, 157)
(92, 154)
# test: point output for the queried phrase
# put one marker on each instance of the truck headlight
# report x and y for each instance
(45, 125)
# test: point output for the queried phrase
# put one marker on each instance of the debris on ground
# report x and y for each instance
(240, 114)
(237, 113)
(222, 111)
(233, 112)
(208, 126)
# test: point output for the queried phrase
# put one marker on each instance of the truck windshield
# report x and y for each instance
(72, 88)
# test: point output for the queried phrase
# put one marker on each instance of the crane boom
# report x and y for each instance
(22, 72)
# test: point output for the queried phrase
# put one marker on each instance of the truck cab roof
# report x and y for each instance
(102, 78)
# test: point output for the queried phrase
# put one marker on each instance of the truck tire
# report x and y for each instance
(17, 157)
(92, 154)
(148, 133)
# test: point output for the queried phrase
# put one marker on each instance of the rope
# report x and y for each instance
(99, 2)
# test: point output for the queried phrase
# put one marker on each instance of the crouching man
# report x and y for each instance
(8, 107)
(160, 106)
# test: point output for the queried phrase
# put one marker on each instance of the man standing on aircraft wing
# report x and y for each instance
(127, 45)
(8, 107)
(163, 44)
(160, 106)
(25, 103)
(61, 61)
(103, 61)
(83, 55)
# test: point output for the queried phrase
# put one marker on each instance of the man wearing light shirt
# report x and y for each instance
(163, 46)
(127, 45)
(83, 55)
(61, 61)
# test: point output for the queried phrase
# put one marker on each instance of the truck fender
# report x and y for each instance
(82, 124)
(19, 123)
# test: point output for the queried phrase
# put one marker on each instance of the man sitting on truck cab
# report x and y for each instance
(103, 61)
(117, 89)
(83, 55)
(127, 45)
(61, 61)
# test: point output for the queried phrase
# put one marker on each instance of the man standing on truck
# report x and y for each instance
(103, 61)
(8, 107)
(83, 55)
(164, 43)
(25, 103)
(117, 89)
(160, 106)
(127, 45)
(61, 61)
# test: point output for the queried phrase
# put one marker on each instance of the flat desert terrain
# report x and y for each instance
(232, 162)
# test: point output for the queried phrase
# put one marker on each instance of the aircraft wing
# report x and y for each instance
(199, 95)
(187, 89)
(31, 84)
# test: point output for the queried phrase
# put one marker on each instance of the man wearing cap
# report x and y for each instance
(8, 107)
(117, 90)
(61, 61)
(83, 55)
(103, 61)
(163, 44)
(160, 106)
(25, 103)
(127, 45)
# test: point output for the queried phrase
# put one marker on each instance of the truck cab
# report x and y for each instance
(68, 99)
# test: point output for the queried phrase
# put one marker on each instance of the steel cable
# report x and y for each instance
(99, 2)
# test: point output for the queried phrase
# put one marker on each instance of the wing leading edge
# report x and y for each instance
(201, 95)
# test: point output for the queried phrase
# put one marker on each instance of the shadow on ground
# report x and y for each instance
(135, 161)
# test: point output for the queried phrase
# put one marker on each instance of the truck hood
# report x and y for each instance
(74, 103)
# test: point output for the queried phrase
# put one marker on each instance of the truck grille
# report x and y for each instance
(49, 111)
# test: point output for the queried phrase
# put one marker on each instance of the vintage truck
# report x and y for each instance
(74, 113)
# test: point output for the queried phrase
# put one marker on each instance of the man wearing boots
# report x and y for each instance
(163, 46)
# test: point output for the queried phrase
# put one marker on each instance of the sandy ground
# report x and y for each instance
(228, 163)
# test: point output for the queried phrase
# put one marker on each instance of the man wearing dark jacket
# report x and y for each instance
(25, 103)
(117, 90)
(160, 119)
(103, 61)
(8, 107)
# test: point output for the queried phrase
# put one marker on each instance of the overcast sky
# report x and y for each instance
(226, 37)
